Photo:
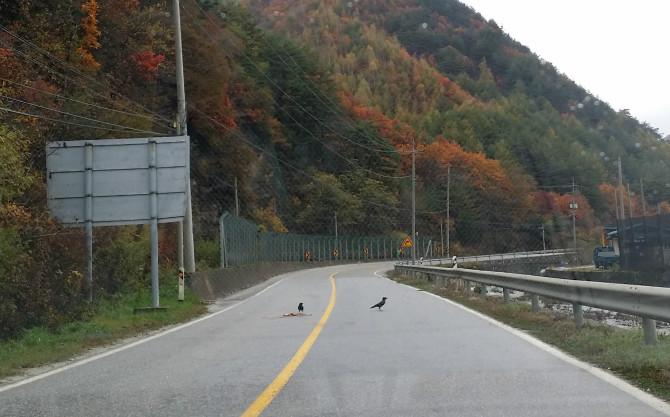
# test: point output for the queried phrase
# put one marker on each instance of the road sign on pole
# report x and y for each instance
(407, 243)
(118, 182)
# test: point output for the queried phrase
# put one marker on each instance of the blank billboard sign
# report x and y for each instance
(119, 177)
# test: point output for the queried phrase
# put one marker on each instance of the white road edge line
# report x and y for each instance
(624, 386)
(130, 345)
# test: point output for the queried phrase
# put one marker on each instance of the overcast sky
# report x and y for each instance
(615, 49)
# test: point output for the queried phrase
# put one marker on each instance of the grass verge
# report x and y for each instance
(113, 320)
(620, 351)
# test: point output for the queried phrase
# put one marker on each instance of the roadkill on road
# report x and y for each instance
(295, 314)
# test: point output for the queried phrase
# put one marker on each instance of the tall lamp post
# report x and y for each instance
(413, 203)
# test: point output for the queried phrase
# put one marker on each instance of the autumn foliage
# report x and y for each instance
(483, 172)
(89, 40)
(298, 110)
(145, 64)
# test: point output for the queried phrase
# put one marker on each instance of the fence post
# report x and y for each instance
(285, 248)
(222, 242)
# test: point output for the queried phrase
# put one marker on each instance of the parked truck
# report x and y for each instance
(607, 254)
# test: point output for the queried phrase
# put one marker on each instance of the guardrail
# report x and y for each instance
(649, 303)
(496, 257)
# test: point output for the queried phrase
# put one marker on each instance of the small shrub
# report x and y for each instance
(207, 253)
(11, 271)
(122, 259)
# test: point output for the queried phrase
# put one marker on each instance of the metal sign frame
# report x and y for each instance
(119, 182)
(111, 182)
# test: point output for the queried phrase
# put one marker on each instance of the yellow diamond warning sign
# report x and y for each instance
(407, 243)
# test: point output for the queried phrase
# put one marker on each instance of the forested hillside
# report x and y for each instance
(308, 110)
(437, 73)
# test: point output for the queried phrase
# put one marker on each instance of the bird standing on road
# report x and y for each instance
(380, 304)
(300, 308)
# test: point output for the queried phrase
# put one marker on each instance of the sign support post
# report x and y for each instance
(153, 191)
(116, 182)
(88, 180)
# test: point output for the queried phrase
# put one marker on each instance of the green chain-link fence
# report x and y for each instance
(243, 243)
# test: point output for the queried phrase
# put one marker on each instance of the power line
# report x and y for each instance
(293, 118)
(334, 106)
(62, 97)
(127, 128)
(289, 67)
(74, 70)
(298, 170)
(36, 116)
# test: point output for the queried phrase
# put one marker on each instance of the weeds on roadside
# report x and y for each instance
(113, 320)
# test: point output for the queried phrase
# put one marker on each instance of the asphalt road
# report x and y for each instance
(418, 356)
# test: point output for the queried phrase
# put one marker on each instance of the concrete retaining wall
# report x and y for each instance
(217, 283)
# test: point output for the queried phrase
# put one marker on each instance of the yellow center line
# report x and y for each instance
(275, 386)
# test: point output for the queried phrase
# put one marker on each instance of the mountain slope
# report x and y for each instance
(499, 95)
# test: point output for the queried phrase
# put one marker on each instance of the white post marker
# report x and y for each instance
(180, 284)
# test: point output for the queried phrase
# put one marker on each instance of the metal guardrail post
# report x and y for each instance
(535, 303)
(649, 303)
(505, 295)
(578, 312)
(649, 328)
